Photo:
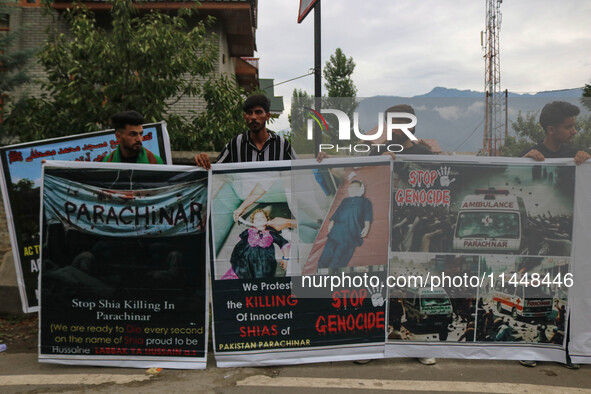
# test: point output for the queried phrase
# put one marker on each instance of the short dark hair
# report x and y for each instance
(122, 119)
(256, 100)
(401, 108)
(555, 112)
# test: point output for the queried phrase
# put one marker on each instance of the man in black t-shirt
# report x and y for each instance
(558, 121)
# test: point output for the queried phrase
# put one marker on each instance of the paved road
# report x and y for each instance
(21, 373)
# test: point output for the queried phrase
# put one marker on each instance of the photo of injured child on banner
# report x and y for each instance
(253, 224)
(269, 223)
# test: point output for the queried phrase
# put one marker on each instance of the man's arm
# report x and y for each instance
(535, 154)
(365, 230)
(581, 157)
(202, 160)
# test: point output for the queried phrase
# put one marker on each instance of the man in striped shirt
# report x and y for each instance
(256, 144)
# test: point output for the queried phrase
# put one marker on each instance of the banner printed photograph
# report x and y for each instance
(494, 304)
(502, 209)
(580, 294)
(349, 229)
(124, 277)
(258, 320)
(21, 182)
(252, 225)
(493, 219)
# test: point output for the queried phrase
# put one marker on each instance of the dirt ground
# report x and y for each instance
(19, 333)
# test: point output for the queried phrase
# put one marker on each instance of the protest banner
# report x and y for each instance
(280, 226)
(21, 181)
(123, 278)
(579, 345)
(481, 258)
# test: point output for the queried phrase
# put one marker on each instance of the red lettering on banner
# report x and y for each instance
(421, 197)
(258, 331)
(270, 301)
(422, 177)
(334, 324)
(345, 298)
(14, 156)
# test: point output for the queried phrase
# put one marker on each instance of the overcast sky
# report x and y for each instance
(408, 47)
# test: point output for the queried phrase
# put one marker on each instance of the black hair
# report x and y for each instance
(256, 100)
(401, 108)
(555, 112)
(122, 119)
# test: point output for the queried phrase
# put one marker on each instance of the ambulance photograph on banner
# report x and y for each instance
(266, 222)
(449, 207)
(471, 298)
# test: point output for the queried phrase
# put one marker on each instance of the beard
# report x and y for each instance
(256, 127)
(399, 138)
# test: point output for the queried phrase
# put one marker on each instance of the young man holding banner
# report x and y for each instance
(256, 144)
(128, 131)
(558, 121)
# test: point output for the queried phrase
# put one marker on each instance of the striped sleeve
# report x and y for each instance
(289, 152)
(286, 151)
(224, 156)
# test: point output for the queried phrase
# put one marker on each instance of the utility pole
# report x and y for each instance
(496, 105)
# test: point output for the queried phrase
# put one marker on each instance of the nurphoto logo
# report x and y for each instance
(394, 121)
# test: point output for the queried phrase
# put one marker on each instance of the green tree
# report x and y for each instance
(341, 91)
(582, 140)
(13, 62)
(298, 120)
(586, 100)
(145, 61)
(529, 132)
(222, 119)
(338, 71)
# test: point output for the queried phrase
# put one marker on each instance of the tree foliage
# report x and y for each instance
(587, 96)
(529, 132)
(223, 117)
(341, 91)
(341, 95)
(298, 120)
(13, 61)
(146, 61)
(338, 71)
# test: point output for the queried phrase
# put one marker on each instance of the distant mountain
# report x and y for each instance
(441, 92)
(455, 118)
